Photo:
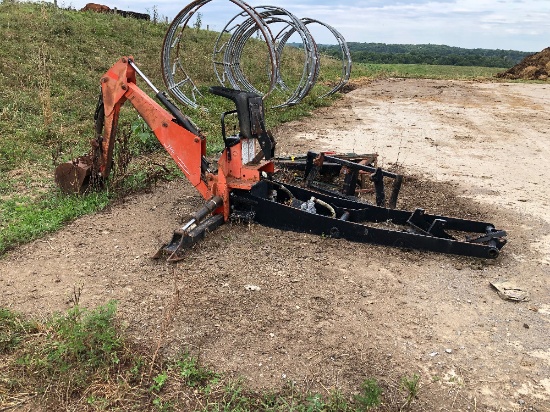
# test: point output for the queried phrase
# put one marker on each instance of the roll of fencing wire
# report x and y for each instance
(174, 57)
(346, 55)
(237, 54)
(241, 34)
(229, 61)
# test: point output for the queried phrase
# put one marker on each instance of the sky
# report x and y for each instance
(490, 24)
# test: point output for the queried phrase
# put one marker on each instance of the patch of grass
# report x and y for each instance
(369, 395)
(193, 373)
(72, 352)
(290, 398)
(87, 338)
(80, 360)
(424, 71)
(26, 219)
(48, 91)
(13, 329)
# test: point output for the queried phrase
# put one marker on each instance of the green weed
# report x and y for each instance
(234, 398)
(87, 338)
(369, 395)
(159, 381)
(194, 374)
(98, 402)
(337, 402)
(411, 387)
(144, 137)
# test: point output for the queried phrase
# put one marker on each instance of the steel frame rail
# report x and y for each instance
(278, 205)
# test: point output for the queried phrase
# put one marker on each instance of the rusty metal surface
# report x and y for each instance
(73, 177)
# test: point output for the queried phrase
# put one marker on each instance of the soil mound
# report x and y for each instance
(534, 67)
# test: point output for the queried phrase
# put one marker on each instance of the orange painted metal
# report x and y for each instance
(183, 146)
(186, 148)
(113, 87)
(233, 174)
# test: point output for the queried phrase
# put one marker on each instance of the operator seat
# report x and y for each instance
(251, 115)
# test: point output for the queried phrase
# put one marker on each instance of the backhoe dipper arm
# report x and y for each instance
(175, 132)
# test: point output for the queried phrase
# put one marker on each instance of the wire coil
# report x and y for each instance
(230, 47)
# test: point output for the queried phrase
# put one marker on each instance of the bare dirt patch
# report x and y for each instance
(330, 313)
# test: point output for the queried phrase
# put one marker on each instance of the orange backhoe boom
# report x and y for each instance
(186, 148)
(177, 134)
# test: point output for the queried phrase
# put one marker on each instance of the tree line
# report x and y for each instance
(426, 54)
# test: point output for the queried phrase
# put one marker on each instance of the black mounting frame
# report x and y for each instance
(354, 167)
(285, 206)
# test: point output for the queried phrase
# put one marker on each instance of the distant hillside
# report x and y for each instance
(427, 54)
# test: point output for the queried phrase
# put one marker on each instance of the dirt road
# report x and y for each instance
(329, 313)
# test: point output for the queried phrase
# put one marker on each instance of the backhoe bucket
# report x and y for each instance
(74, 177)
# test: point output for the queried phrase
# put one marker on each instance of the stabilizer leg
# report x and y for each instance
(192, 231)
